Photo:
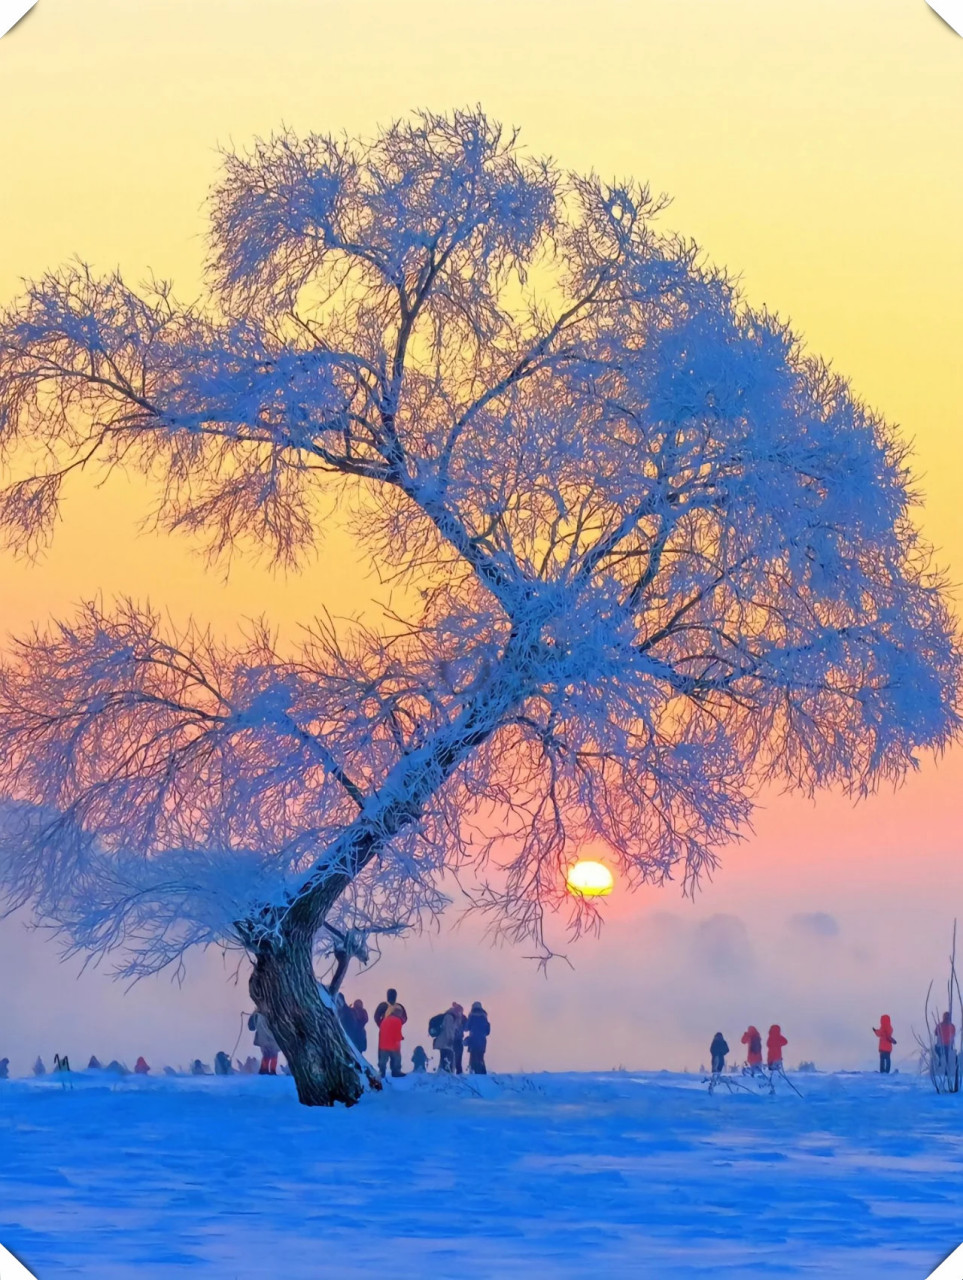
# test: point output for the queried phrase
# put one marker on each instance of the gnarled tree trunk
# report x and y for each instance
(283, 986)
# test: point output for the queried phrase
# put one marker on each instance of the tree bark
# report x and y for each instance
(325, 1066)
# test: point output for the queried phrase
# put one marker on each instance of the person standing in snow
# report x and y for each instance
(389, 1044)
(458, 1037)
(419, 1060)
(353, 1029)
(265, 1041)
(357, 1020)
(884, 1032)
(341, 1009)
(945, 1040)
(753, 1042)
(390, 1006)
(4, 1068)
(477, 1031)
(717, 1052)
(140, 1067)
(774, 1047)
(452, 1024)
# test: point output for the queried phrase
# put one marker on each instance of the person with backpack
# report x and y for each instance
(717, 1052)
(884, 1033)
(774, 1046)
(389, 1043)
(265, 1041)
(753, 1042)
(443, 1028)
(390, 1006)
(477, 1031)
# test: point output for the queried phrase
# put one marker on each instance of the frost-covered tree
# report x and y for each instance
(652, 555)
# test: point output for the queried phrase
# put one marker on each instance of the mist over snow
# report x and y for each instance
(777, 936)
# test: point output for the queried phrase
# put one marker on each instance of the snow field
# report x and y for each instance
(549, 1177)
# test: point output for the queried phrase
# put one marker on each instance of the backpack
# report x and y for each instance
(435, 1025)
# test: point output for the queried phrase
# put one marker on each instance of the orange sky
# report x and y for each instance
(812, 149)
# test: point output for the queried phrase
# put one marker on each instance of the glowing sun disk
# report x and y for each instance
(589, 879)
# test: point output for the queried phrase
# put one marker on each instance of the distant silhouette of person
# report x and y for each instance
(717, 1051)
(477, 1031)
(265, 1041)
(199, 1068)
(774, 1047)
(341, 1008)
(141, 1068)
(4, 1068)
(389, 1044)
(390, 1005)
(753, 1042)
(355, 1021)
(884, 1033)
(222, 1064)
(419, 1060)
(38, 1068)
(945, 1039)
(94, 1063)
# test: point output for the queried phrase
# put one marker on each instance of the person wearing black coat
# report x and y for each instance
(477, 1031)
(392, 1006)
(718, 1050)
(356, 1026)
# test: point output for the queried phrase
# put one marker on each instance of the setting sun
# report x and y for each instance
(590, 879)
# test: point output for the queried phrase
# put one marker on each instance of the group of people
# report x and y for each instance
(943, 1046)
(752, 1039)
(451, 1032)
(454, 1031)
(944, 1042)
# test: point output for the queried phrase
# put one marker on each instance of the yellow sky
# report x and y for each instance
(810, 148)
(813, 149)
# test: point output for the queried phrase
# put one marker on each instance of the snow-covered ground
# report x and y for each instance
(542, 1176)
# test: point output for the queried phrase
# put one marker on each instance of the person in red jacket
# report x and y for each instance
(945, 1039)
(886, 1041)
(753, 1042)
(774, 1046)
(389, 1045)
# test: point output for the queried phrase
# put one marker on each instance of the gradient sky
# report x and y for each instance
(809, 149)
